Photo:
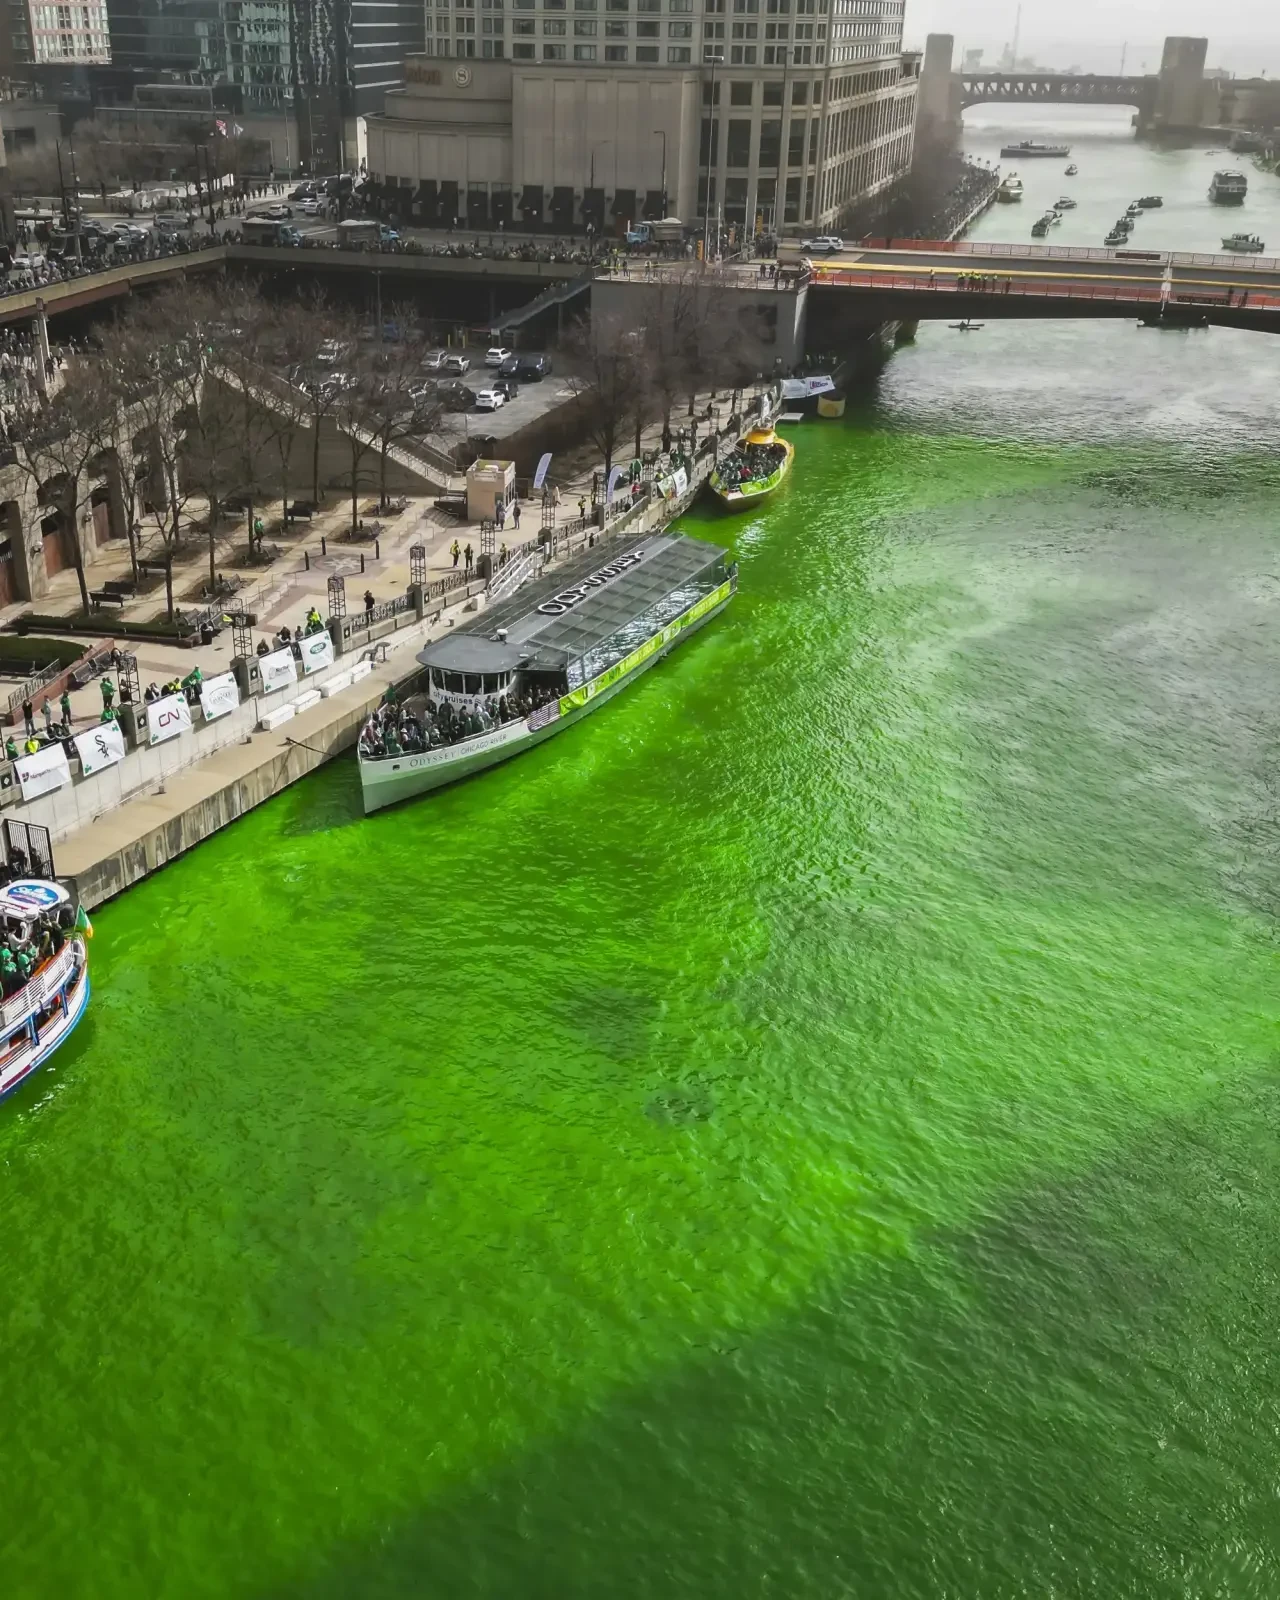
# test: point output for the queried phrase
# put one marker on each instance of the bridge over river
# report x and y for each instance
(963, 279)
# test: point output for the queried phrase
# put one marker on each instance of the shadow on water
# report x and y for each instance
(1084, 1406)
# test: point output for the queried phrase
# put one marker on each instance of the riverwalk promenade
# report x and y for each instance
(108, 844)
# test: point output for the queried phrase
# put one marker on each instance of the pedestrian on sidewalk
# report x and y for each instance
(515, 513)
(501, 514)
(455, 550)
(28, 717)
(369, 601)
(582, 508)
(108, 693)
(468, 558)
(48, 720)
(65, 704)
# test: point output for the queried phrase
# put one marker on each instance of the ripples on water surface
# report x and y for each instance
(810, 1131)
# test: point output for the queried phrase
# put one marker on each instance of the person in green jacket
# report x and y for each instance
(11, 749)
(108, 693)
(65, 703)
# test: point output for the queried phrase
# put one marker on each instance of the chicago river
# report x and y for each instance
(807, 1131)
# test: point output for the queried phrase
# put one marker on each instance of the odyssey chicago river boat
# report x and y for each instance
(753, 470)
(45, 970)
(540, 660)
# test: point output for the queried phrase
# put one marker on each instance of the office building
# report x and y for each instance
(766, 114)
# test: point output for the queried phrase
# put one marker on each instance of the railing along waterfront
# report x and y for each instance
(1146, 292)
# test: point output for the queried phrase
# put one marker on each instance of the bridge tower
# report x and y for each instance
(937, 115)
(1180, 88)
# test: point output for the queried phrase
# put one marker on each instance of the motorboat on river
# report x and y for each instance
(1247, 244)
(540, 659)
(753, 470)
(1064, 203)
(1072, 170)
(1033, 149)
(1228, 188)
(44, 971)
(1117, 236)
(1040, 227)
(1151, 202)
(1010, 190)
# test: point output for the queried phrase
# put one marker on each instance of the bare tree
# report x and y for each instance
(608, 355)
(400, 409)
(353, 413)
(58, 440)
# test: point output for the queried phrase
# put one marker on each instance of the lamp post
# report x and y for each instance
(662, 134)
(715, 61)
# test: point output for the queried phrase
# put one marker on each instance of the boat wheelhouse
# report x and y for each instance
(541, 659)
(45, 971)
(754, 469)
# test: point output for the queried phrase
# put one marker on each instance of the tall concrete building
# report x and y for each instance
(768, 114)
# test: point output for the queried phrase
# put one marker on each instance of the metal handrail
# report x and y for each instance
(39, 986)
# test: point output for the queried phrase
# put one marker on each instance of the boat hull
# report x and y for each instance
(386, 783)
(55, 1034)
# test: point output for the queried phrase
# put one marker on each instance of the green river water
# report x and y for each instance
(812, 1131)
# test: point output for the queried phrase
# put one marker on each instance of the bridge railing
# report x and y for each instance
(1136, 292)
(1079, 252)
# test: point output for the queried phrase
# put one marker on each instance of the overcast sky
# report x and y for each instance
(1244, 35)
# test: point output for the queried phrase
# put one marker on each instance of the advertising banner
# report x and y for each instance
(317, 651)
(100, 747)
(540, 476)
(219, 695)
(167, 718)
(615, 478)
(804, 388)
(44, 771)
(278, 670)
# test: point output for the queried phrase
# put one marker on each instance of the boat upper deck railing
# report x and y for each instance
(43, 982)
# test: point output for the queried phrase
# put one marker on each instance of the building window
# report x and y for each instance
(713, 30)
(685, 6)
(738, 142)
(585, 30)
(648, 5)
(493, 25)
(464, 47)
(584, 5)
(791, 206)
(647, 30)
(615, 52)
(584, 52)
(522, 52)
(646, 52)
(554, 52)
(776, 30)
(740, 94)
(799, 94)
(617, 30)
(679, 30)
(770, 143)
(677, 53)
(617, 5)
(553, 26)
(491, 49)
(465, 25)
(808, 196)
(745, 30)
(773, 94)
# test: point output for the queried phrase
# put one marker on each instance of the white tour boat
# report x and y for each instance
(1228, 188)
(540, 660)
(46, 988)
(1247, 244)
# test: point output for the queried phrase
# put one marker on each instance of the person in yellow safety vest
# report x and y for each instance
(32, 745)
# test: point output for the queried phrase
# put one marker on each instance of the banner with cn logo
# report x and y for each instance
(167, 718)
(100, 747)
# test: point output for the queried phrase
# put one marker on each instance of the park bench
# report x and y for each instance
(301, 511)
(107, 597)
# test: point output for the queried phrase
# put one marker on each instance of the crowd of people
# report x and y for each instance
(25, 945)
(749, 463)
(39, 271)
(421, 723)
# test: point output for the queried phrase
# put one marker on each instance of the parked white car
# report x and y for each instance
(826, 244)
(489, 399)
(312, 208)
(456, 364)
(434, 360)
(495, 355)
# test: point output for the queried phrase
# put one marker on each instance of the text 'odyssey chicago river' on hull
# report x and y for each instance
(543, 658)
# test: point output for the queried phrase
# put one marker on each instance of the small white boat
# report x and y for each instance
(1247, 244)
(46, 978)
(1010, 189)
(1072, 170)
(1064, 203)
